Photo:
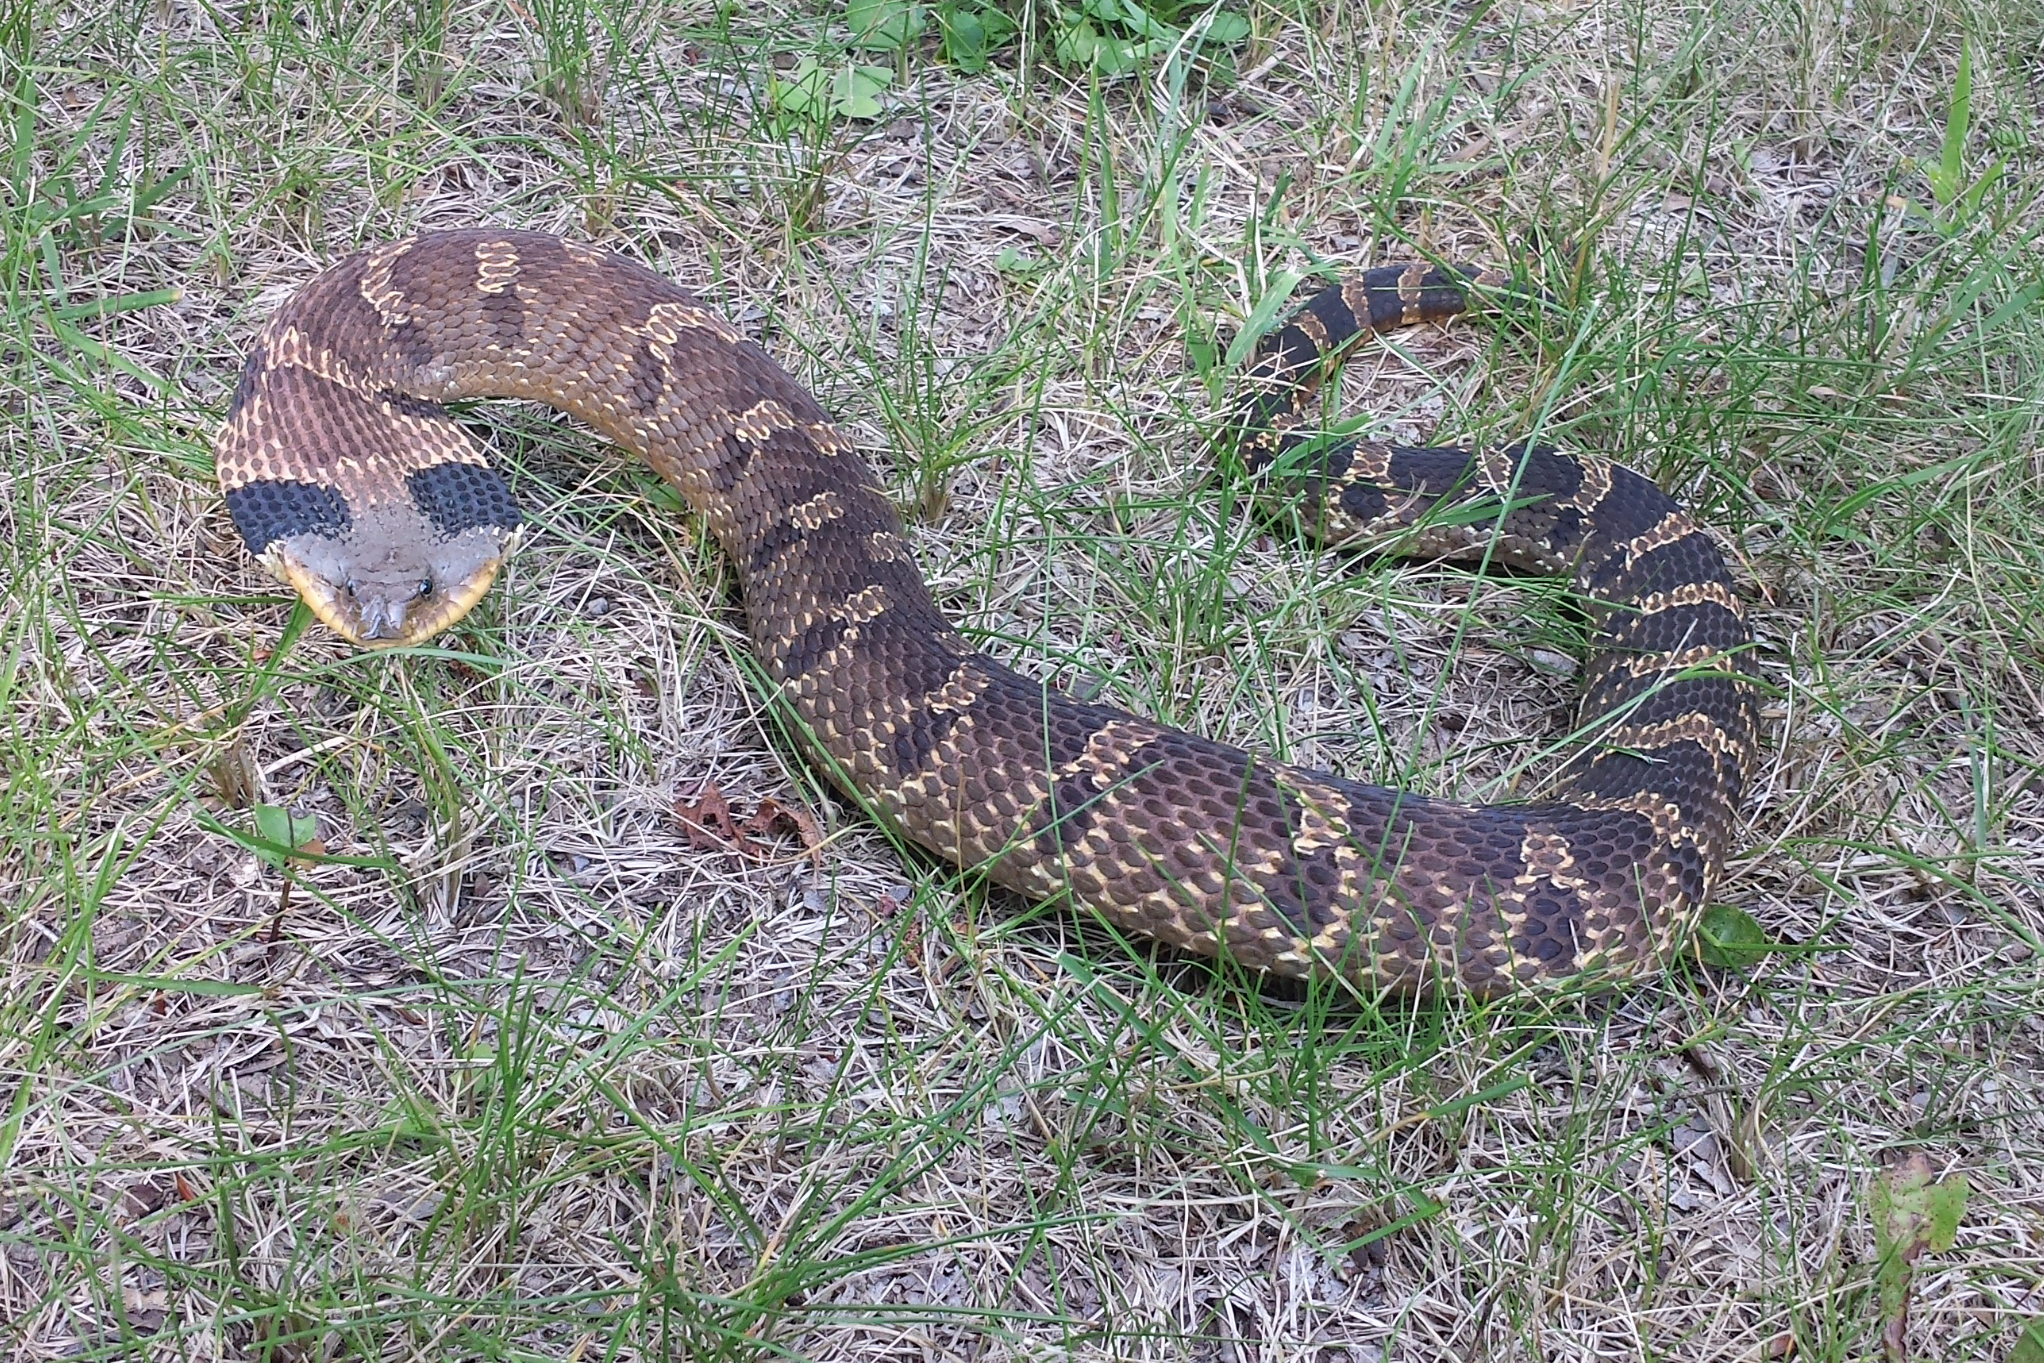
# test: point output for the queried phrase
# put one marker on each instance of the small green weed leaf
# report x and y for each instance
(276, 824)
(805, 92)
(1078, 43)
(1132, 17)
(855, 92)
(1947, 177)
(972, 33)
(802, 92)
(1227, 27)
(965, 37)
(1114, 36)
(884, 25)
(661, 494)
(1969, 201)
(1016, 261)
(1098, 36)
(165, 984)
(821, 93)
(2029, 1344)
(1203, 351)
(1729, 938)
(1913, 1214)
(413, 1129)
(1950, 187)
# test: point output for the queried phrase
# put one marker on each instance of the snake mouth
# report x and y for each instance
(385, 624)
(390, 606)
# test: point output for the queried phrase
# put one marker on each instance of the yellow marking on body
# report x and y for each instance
(1410, 281)
(1322, 809)
(1593, 487)
(589, 255)
(868, 603)
(496, 266)
(1548, 856)
(1315, 329)
(1695, 727)
(1365, 863)
(1499, 470)
(960, 691)
(1370, 462)
(1670, 826)
(813, 514)
(1671, 528)
(1113, 746)
(375, 287)
(374, 472)
(237, 445)
(1713, 593)
(1103, 851)
(290, 348)
(1704, 657)
(829, 438)
(756, 424)
(666, 321)
(1355, 296)
(1330, 944)
(887, 547)
(435, 440)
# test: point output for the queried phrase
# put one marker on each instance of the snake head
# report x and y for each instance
(383, 565)
(385, 591)
(388, 579)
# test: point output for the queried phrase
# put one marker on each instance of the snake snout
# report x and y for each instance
(382, 614)
(391, 577)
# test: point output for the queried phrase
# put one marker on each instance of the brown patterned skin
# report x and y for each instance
(348, 478)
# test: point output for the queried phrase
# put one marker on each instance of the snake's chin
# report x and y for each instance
(377, 599)
(373, 621)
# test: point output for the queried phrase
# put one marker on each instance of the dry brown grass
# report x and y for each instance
(518, 1072)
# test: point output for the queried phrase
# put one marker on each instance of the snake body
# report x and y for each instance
(348, 478)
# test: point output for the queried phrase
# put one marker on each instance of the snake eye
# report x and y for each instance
(426, 587)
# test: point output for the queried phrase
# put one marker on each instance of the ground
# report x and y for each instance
(514, 1063)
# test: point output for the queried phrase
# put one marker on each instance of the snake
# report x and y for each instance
(349, 479)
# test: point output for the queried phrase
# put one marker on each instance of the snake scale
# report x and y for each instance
(349, 479)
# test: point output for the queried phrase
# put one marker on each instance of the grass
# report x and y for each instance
(514, 1071)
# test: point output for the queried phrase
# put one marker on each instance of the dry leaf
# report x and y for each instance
(774, 818)
(707, 820)
(711, 826)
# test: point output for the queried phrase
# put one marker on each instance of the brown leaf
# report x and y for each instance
(712, 825)
(773, 818)
(141, 1198)
(707, 821)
